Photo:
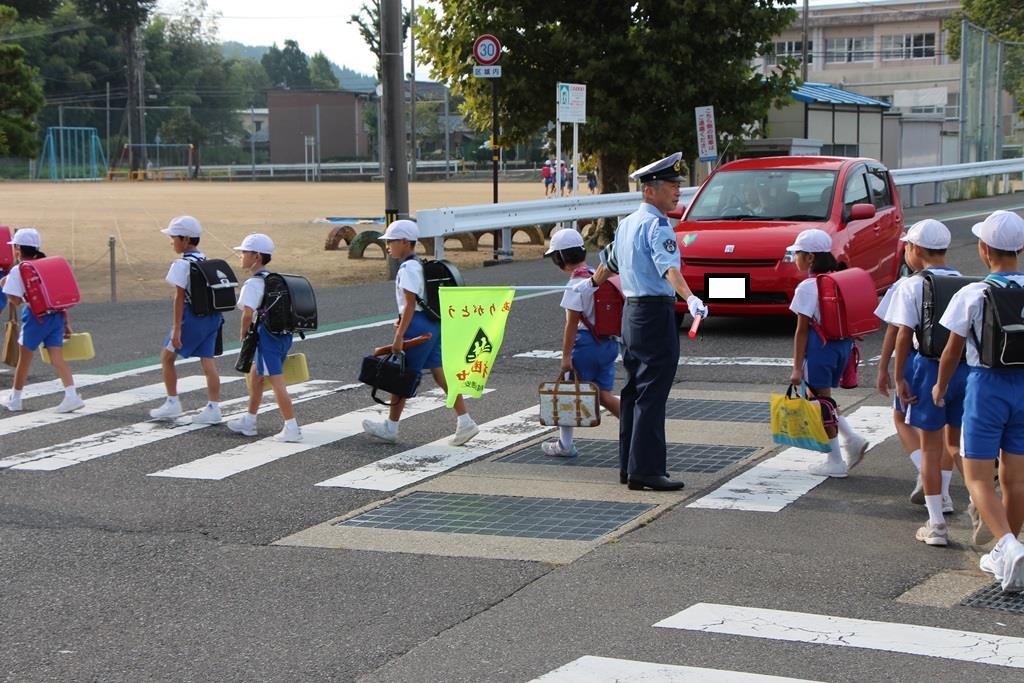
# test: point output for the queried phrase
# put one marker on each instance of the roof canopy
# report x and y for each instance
(823, 93)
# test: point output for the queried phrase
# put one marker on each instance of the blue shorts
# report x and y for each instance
(271, 350)
(427, 355)
(49, 331)
(594, 359)
(908, 375)
(993, 413)
(824, 362)
(549, 181)
(198, 334)
(925, 414)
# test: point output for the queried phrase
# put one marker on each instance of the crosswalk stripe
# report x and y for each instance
(590, 669)
(255, 454)
(683, 359)
(773, 484)
(100, 404)
(138, 434)
(434, 458)
(965, 646)
(54, 386)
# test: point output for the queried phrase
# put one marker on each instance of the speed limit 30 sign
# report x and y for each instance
(486, 50)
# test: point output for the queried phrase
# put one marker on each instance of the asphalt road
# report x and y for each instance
(109, 574)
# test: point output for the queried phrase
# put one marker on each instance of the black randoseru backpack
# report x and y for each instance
(289, 304)
(211, 285)
(437, 274)
(937, 291)
(1002, 328)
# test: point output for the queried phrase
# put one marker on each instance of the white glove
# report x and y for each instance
(696, 306)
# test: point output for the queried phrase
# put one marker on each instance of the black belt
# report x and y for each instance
(650, 300)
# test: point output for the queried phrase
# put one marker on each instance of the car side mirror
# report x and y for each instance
(859, 212)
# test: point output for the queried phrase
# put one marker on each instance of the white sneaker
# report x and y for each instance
(980, 534)
(210, 415)
(827, 468)
(947, 505)
(917, 495)
(1013, 569)
(242, 426)
(992, 563)
(464, 434)
(70, 404)
(554, 449)
(380, 430)
(853, 450)
(933, 534)
(166, 411)
(289, 434)
(11, 404)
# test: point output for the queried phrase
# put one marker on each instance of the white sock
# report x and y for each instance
(15, 394)
(69, 391)
(934, 505)
(291, 424)
(835, 455)
(463, 420)
(213, 405)
(391, 425)
(172, 399)
(1007, 540)
(845, 429)
(915, 458)
(565, 440)
(947, 476)
(249, 418)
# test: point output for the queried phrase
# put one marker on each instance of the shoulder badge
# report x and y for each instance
(670, 246)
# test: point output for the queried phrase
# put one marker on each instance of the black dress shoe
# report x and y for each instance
(623, 478)
(661, 483)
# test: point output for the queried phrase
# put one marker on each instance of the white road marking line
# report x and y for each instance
(53, 386)
(139, 434)
(683, 360)
(256, 453)
(100, 404)
(409, 467)
(590, 669)
(778, 481)
(964, 646)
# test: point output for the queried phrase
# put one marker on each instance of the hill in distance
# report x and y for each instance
(349, 79)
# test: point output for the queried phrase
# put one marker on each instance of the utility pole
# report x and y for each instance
(803, 46)
(252, 138)
(108, 123)
(447, 138)
(412, 89)
(140, 72)
(396, 176)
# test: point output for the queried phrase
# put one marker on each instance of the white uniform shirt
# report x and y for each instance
(805, 299)
(905, 308)
(251, 295)
(883, 305)
(178, 274)
(409, 279)
(580, 298)
(14, 286)
(965, 311)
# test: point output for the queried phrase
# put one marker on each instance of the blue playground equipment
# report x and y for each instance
(71, 153)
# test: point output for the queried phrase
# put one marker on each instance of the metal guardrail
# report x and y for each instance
(445, 222)
(272, 170)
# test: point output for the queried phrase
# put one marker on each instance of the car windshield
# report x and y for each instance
(765, 195)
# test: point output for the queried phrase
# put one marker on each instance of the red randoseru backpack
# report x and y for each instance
(608, 303)
(50, 286)
(847, 302)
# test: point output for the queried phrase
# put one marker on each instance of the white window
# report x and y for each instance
(791, 48)
(849, 50)
(908, 46)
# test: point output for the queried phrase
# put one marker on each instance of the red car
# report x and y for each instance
(733, 235)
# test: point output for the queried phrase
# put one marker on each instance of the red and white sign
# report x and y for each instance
(486, 50)
(707, 139)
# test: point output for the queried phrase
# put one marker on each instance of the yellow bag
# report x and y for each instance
(796, 421)
(294, 370)
(76, 347)
(12, 328)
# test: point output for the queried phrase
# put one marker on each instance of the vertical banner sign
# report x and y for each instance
(472, 329)
(707, 140)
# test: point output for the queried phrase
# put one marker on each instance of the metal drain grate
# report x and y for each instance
(992, 597)
(456, 513)
(682, 457)
(720, 411)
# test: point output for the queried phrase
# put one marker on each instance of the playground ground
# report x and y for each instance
(77, 220)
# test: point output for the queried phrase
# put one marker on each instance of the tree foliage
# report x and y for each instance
(321, 76)
(646, 65)
(287, 68)
(20, 96)
(368, 21)
(120, 15)
(33, 9)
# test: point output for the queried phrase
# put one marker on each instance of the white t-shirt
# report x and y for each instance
(251, 295)
(409, 279)
(905, 308)
(965, 310)
(805, 299)
(14, 286)
(883, 305)
(178, 274)
(580, 298)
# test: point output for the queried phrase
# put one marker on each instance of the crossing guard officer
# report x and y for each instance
(645, 255)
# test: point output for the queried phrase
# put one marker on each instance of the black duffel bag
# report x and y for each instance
(388, 373)
(247, 353)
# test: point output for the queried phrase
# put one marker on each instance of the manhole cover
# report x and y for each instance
(682, 457)
(455, 513)
(719, 411)
(992, 597)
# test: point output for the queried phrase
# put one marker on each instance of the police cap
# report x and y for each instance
(669, 168)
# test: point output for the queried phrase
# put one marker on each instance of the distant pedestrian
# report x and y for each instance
(547, 175)
(592, 181)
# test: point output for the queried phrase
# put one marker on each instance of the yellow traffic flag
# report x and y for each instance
(472, 329)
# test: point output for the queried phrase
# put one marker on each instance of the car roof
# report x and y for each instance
(809, 162)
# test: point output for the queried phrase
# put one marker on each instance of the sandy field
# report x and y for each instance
(77, 219)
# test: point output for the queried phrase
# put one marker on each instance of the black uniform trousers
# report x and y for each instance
(650, 355)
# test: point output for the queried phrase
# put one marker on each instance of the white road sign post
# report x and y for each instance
(707, 139)
(571, 107)
(487, 52)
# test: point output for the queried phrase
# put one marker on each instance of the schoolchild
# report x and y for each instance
(817, 362)
(191, 335)
(994, 403)
(925, 246)
(48, 331)
(590, 358)
(908, 437)
(254, 253)
(410, 285)
(547, 173)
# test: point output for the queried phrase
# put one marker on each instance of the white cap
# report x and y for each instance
(929, 233)
(183, 226)
(566, 238)
(402, 229)
(257, 242)
(27, 237)
(1000, 230)
(812, 241)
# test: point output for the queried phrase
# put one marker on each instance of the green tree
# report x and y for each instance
(1005, 19)
(646, 65)
(249, 78)
(21, 96)
(321, 76)
(368, 21)
(33, 9)
(288, 67)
